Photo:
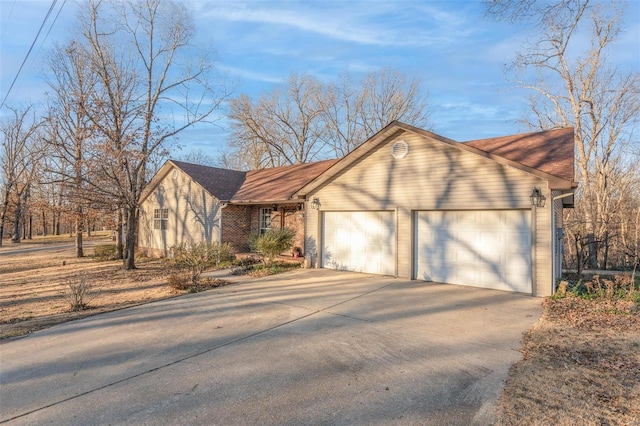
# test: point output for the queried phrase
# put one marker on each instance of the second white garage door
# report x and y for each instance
(359, 241)
(490, 249)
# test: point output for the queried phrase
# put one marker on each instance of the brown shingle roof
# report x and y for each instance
(266, 185)
(279, 183)
(221, 183)
(550, 151)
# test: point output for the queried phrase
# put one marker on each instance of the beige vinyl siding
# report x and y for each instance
(193, 215)
(559, 224)
(433, 176)
(544, 258)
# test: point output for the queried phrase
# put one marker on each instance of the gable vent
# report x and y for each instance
(399, 149)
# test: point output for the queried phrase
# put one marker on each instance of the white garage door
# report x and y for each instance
(490, 249)
(359, 241)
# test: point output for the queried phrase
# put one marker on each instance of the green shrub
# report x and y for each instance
(105, 251)
(200, 256)
(592, 287)
(273, 242)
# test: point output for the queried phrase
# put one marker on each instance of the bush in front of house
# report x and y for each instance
(198, 257)
(273, 242)
(105, 251)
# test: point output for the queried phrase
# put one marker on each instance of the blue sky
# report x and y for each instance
(456, 53)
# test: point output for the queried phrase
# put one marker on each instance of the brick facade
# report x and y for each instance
(293, 219)
(236, 227)
(240, 222)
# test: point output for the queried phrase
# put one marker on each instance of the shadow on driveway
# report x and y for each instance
(305, 347)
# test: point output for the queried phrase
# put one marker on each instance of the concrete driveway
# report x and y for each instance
(306, 347)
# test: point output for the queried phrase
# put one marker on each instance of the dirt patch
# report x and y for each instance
(581, 365)
(33, 285)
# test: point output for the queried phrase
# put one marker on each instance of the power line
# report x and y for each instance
(52, 24)
(53, 4)
(4, 30)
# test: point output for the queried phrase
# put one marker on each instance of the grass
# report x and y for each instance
(581, 361)
(35, 291)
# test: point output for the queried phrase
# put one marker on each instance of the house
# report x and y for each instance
(188, 203)
(406, 203)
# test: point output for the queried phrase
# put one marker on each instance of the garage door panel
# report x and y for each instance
(366, 242)
(490, 249)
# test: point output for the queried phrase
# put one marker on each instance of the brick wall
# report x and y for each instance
(236, 227)
(292, 220)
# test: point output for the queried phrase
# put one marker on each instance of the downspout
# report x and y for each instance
(554, 242)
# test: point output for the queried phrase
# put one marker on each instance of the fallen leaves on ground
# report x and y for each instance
(580, 366)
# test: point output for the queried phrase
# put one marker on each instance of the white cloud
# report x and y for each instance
(249, 74)
(351, 21)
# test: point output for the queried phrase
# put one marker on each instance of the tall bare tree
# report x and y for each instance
(72, 81)
(282, 127)
(152, 84)
(306, 120)
(576, 86)
(18, 159)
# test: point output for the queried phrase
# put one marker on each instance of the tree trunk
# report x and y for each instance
(17, 223)
(605, 256)
(44, 224)
(578, 254)
(593, 251)
(3, 215)
(119, 232)
(79, 222)
(56, 224)
(130, 239)
(30, 234)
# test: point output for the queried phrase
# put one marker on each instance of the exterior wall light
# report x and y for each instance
(537, 199)
(315, 204)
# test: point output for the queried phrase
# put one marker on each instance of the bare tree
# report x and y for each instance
(198, 156)
(147, 71)
(389, 95)
(581, 89)
(306, 120)
(281, 128)
(17, 156)
(70, 129)
(354, 111)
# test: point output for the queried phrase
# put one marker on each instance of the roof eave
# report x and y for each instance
(396, 128)
(156, 179)
(257, 202)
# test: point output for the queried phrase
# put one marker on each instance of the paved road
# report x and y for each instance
(16, 249)
(306, 347)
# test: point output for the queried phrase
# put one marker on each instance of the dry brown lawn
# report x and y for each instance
(581, 366)
(33, 285)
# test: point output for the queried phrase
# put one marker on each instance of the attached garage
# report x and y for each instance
(481, 248)
(359, 241)
(415, 205)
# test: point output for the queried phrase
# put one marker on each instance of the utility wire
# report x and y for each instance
(52, 24)
(4, 29)
(53, 4)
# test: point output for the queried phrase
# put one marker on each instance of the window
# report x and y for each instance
(160, 219)
(265, 220)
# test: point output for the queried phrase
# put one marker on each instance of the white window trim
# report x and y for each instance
(160, 219)
(264, 224)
